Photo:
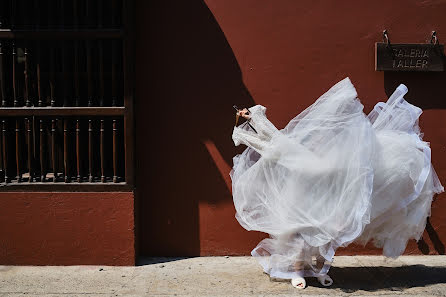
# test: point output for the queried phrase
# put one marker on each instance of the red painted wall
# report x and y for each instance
(196, 59)
(55, 228)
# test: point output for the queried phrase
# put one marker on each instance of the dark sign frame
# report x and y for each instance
(409, 57)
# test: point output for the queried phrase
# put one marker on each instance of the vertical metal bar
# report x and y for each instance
(100, 8)
(39, 90)
(42, 152)
(50, 13)
(17, 150)
(75, 14)
(65, 150)
(77, 90)
(13, 14)
(23, 11)
(53, 149)
(114, 46)
(16, 103)
(63, 55)
(115, 157)
(90, 103)
(27, 99)
(36, 15)
(102, 152)
(76, 74)
(101, 100)
(114, 101)
(64, 75)
(61, 14)
(78, 155)
(101, 73)
(14, 55)
(76, 56)
(113, 13)
(5, 150)
(89, 74)
(87, 14)
(90, 151)
(113, 74)
(30, 155)
(2, 81)
(52, 77)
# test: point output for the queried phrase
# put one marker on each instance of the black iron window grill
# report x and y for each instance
(66, 99)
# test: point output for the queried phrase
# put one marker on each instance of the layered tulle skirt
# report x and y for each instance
(334, 176)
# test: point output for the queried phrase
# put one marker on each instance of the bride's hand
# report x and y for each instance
(244, 113)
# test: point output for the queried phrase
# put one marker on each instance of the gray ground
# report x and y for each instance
(226, 276)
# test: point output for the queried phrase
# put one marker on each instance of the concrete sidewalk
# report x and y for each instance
(226, 276)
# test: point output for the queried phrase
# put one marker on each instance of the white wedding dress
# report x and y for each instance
(331, 177)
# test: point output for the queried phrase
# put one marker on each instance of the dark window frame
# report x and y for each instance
(126, 35)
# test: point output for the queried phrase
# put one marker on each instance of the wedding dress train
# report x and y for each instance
(331, 177)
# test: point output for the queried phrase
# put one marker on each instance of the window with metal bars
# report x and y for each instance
(65, 95)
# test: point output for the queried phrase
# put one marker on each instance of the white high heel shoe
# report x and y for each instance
(298, 283)
(325, 280)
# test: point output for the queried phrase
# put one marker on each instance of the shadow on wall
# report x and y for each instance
(426, 90)
(435, 239)
(187, 79)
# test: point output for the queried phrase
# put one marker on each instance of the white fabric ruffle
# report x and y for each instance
(333, 176)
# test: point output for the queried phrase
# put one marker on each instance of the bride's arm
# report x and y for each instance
(264, 129)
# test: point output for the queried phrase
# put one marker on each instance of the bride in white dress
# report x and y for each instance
(331, 177)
